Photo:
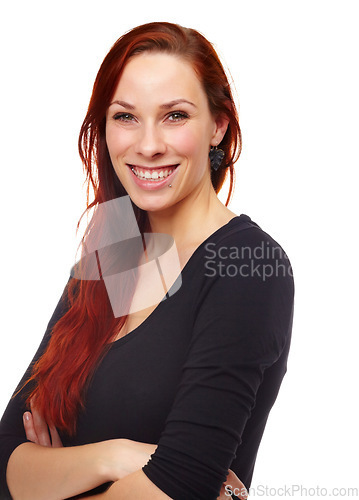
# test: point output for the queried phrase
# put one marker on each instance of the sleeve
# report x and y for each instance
(12, 432)
(242, 323)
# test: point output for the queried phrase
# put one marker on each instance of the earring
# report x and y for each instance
(216, 156)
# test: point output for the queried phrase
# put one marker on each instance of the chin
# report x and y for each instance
(148, 205)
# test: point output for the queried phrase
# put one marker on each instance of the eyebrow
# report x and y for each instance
(175, 102)
(167, 105)
(123, 104)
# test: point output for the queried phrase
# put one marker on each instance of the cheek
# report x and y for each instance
(189, 143)
(117, 141)
(116, 145)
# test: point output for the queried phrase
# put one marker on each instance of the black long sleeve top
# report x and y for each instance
(199, 376)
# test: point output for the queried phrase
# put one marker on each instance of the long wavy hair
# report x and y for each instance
(80, 338)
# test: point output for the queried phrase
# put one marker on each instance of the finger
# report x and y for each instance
(233, 483)
(228, 490)
(55, 438)
(232, 486)
(41, 428)
(29, 428)
(224, 494)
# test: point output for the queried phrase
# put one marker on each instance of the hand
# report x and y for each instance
(38, 431)
(129, 456)
(232, 485)
(121, 456)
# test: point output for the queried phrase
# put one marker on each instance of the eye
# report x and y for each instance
(123, 117)
(177, 116)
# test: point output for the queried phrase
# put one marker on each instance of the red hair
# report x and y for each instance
(81, 336)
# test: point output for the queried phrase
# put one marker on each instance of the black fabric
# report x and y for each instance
(199, 375)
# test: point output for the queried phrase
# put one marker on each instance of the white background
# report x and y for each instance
(295, 67)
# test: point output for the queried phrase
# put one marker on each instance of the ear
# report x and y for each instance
(221, 125)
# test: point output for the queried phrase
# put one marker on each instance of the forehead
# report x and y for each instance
(159, 76)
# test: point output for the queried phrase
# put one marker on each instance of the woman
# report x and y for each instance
(194, 368)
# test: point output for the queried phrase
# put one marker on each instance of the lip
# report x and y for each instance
(170, 165)
(153, 185)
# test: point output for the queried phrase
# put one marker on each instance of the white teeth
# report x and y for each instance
(154, 176)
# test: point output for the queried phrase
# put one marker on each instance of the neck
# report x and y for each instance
(191, 221)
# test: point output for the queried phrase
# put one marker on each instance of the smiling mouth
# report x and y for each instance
(153, 174)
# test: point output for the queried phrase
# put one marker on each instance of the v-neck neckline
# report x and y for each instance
(125, 338)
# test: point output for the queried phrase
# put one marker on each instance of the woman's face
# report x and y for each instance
(159, 130)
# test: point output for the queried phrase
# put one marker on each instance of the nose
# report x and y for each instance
(150, 142)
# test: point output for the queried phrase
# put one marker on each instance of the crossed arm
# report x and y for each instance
(43, 469)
